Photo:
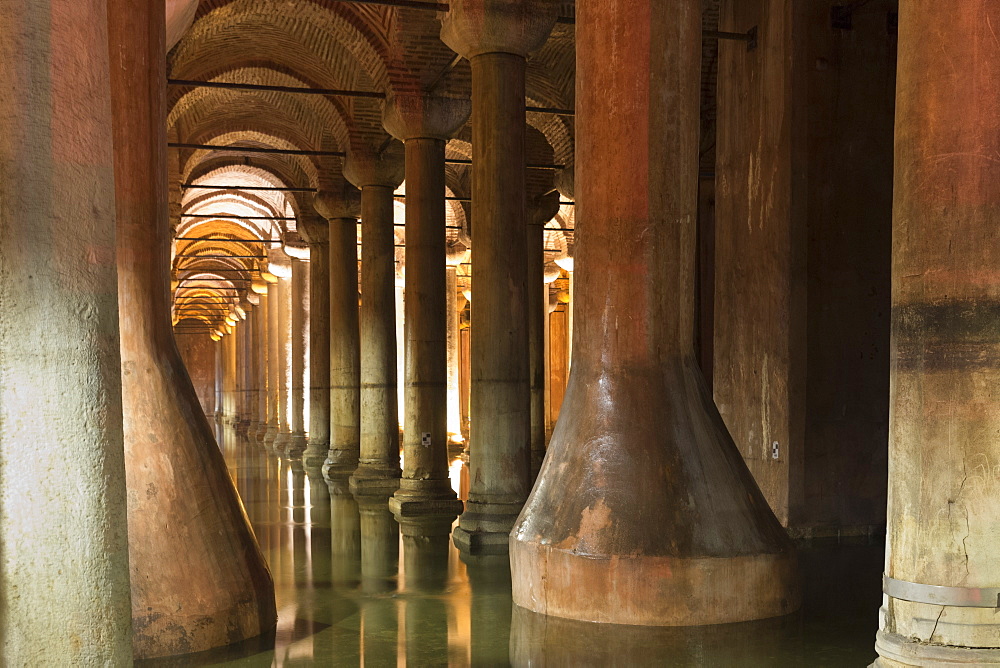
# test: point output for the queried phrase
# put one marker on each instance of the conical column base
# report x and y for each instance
(644, 512)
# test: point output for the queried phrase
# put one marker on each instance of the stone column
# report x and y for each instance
(64, 586)
(341, 209)
(424, 123)
(300, 337)
(260, 366)
(198, 578)
(541, 211)
(457, 254)
(641, 482)
(271, 376)
(242, 346)
(283, 389)
(377, 175)
(316, 231)
(943, 551)
(496, 36)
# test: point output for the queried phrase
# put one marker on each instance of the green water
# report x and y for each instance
(352, 591)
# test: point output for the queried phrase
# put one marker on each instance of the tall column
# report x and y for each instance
(259, 367)
(316, 231)
(229, 375)
(377, 175)
(641, 482)
(64, 587)
(271, 376)
(341, 209)
(283, 391)
(496, 36)
(300, 338)
(198, 578)
(457, 254)
(541, 211)
(424, 124)
(943, 551)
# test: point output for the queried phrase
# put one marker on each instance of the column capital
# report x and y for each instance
(543, 208)
(474, 27)
(424, 116)
(368, 167)
(344, 202)
(314, 228)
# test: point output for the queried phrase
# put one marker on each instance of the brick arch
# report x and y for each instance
(314, 25)
(304, 124)
(191, 159)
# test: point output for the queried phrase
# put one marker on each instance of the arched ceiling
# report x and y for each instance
(223, 234)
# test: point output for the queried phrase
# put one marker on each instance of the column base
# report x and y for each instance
(297, 446)
(374, 480)
(282, 440)
(484, 527)
(268, 436)
(315, 455)
(896, 651)
(339, 464)
(419, 499)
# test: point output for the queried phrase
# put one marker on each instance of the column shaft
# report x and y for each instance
(425, 487)
(283, 392)
(641, 478)
(501, 407)
(271, 377)
(319, 355)
(378, 468)
(259, 366)
(345, 355)
(538, 306)
(64, 585)
(198, 578)
(453, 359)
(300, 340)
(945, 353)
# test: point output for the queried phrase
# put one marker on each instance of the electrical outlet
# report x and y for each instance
(775, 452)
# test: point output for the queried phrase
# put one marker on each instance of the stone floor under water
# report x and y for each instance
(352, 592)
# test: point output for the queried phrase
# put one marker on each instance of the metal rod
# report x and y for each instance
(224, 257)
(242, 241)
(337, 92)
(750, 36)
(258, 149)
(286, 189)
(332, 154)
(234, 216)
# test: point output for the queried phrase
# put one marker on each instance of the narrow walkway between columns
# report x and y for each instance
(351, 591)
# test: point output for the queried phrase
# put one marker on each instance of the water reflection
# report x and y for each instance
(355, 588)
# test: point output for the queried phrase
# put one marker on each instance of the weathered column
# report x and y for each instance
(424, 123)
(316, 231)
(242, 346)
(198, 578)
(283, 412)
(271, 376)
(341, 209)
(64, 587)
(300, 337)
(641, 483)
(943, 552)
(260, 366)
(457, 254)
(496, 36)
(377, 176)
(541, 211)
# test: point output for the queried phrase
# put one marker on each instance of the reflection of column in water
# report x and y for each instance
(319, 527)
(345, 536)
(540, 640)
(297, 528)
(489, 579)
(343, 564)
(425, 560)
(379, 571)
